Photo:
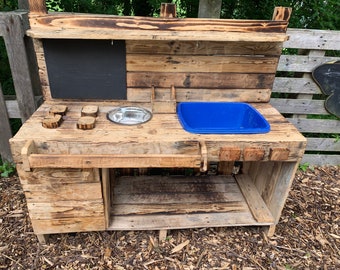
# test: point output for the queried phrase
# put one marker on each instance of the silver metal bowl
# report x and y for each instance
(129, 115)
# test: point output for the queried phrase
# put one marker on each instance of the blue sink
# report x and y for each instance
(221, 118)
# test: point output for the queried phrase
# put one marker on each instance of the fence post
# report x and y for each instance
(5, 130)
(14, 33)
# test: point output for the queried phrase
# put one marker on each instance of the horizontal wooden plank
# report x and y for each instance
(62, 192)
(167, 221)
(66, 209)
(323, 144)
(185, 94)
(295, 86)
(113, 161)
(193, 79)
(302, 63)
(47, 176)
(299, 106)
(203, 48)
(186, 63)
(316, 125)
(66, 225)
(312, 39)
(133, 28)
(321, 159)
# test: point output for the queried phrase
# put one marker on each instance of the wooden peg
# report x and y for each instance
(89, 110)
(229, 154)
(52, 121)
(86, 122)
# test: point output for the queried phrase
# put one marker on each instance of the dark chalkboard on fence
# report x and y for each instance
(86, 69)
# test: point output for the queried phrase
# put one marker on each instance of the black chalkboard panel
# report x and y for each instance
(86, 69)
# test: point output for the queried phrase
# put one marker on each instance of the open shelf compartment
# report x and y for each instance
(175, 202)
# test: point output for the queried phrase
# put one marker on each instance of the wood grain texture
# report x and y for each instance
(161, 137)
(132, 28)
(178, 202)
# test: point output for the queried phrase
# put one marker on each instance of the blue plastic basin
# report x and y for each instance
(221, 118)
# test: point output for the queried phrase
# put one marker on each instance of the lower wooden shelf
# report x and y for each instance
(176, 202)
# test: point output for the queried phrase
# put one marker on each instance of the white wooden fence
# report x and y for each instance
(293, 94)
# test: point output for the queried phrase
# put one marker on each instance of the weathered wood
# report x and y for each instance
(188, 63)
(282, 13)
(312, 39)
(209, 8)
(321, 159)
(323, 144)
(204, 47)
(229, 153)
(302, 63)
(37, 6)
(52, 121)
(132, 28)
(6, 132)
(15, 26)
(106, 190)
(58, 109)
(279, 154)
(86, 122)
(299, 106)
(295, 85)
(316, 125)
(255, 203)
(90, 110)
(168, 10)
(206, 201)
(253, 154)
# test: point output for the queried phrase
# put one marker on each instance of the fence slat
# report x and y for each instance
(299, 106)
(291, 85)
(321, 160)
(17, 57)
(316, 125)
(5, 130)
(312, 39)
(323, 144)
(302, 63)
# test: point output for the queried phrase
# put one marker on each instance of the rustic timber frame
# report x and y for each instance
(70, 175)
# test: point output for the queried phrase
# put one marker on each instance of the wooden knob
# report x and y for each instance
(86, 122)
(89, 110)
(58, 109)
(52, 121)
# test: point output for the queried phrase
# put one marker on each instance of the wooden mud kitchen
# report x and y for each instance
(111, 148)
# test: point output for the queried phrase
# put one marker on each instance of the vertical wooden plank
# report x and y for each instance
(106, 195)
(282, 13)
(37, 6)
(168, 10)
(282, 187)
(5, 128)
(17, 57)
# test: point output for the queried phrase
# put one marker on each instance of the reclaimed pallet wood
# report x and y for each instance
(159, 202)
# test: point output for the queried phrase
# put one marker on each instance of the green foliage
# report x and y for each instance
(303, 167)
(7, 169)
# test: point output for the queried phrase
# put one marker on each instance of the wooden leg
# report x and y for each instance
(43, 238)
(162, 235)
(269, 230)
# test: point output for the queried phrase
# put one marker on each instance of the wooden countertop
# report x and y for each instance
(163, 134)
